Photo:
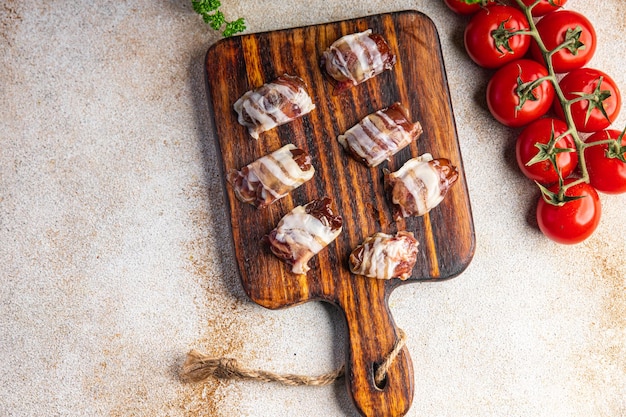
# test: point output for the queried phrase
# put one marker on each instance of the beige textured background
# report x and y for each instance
(115, 257)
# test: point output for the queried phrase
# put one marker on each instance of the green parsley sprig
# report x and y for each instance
(209, 10)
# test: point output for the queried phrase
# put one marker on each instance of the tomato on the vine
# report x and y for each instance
(606, 172)
(601, 104)
(489, 39)
(537, 135)
(575, 220)
(460, 7)
(566, 26)
(543, 7)
(513, 97)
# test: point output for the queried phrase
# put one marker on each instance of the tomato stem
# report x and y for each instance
(598, 142)
(570, 42)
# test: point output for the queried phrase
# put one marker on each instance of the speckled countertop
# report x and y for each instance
(114, 245)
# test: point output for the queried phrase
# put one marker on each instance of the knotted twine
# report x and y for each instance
(199, 367)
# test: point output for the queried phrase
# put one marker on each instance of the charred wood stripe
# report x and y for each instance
(389, 26)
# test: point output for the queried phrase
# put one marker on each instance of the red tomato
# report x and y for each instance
(587, 114)
(504, 95)
(540, 131)
(490, 46)
(606, 174)
(460, 7)
(544, 6)
(553, 30)
(575, 220)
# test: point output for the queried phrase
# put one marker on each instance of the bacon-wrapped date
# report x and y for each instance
(273, 104)
(304, 232)
(272, 176)
(419, 185)
(355, 58)
(384, 256)
(380, 135)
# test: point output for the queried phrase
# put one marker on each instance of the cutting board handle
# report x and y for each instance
(372, 335)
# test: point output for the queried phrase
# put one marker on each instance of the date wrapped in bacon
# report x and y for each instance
(419, 185)
(273, 104)
(272, 176)
(380, 135)
(355, 58)
(384, 256)
(304, 232)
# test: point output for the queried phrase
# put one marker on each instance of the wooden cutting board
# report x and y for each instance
(446, 235)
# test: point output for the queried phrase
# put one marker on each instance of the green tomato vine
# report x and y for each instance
(595, 99)
(524, 91)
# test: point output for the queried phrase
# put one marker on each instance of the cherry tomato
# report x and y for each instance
(543, 7)
(540, 131)
(606, 174)
(503, 93)
(575, 220)
(490, 46)
(554, 28)
(460, 7)
(587, 114)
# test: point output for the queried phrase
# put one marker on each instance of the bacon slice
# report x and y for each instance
(273, 104)
(384, 256)
(355, 58)
(419, 185)
(304, 232)
(380, 135)
(272, 176)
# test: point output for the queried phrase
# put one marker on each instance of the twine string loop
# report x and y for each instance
(199, 367)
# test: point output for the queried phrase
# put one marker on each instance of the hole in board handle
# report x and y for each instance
(383, 382)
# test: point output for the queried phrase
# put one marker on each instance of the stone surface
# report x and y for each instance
(115, 256)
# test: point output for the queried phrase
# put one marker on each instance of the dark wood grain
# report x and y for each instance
(446, 234)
